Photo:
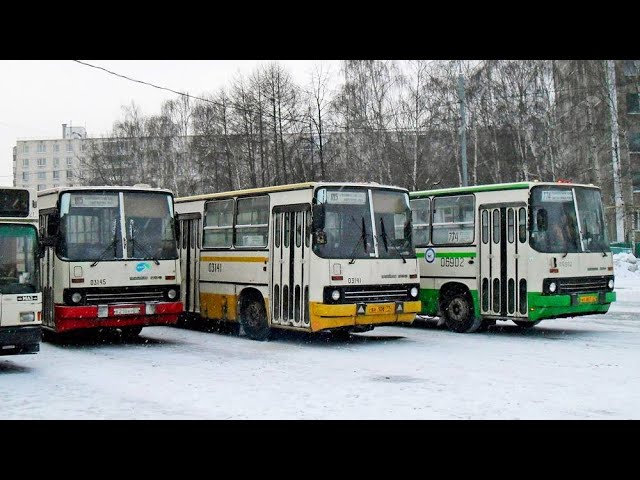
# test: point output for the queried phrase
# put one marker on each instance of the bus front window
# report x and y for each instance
(149, 226)
(90, 226)
(558, 227)
(18, 259)
(392, 215)
(347, 224)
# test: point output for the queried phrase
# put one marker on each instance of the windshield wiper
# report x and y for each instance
(363, 237)
(142, 246)
(112, 244)
(383, 232)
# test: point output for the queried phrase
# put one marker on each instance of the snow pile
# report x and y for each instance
(626, 265)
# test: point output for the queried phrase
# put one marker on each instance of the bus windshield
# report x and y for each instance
(348, 227)
(18, 259)
(567, 220)
(92, 222)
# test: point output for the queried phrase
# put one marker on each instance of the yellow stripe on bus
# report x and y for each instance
(234, 259)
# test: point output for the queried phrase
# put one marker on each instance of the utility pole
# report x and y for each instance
(463, 126)
(612, 100)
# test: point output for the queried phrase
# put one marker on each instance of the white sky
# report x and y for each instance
(573, 368)
(38, 96)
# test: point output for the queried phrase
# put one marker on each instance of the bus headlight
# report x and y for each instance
(610, 284)
(172, 294)
(335, 295)
(76, 297)
(413, 292)
(552, 287)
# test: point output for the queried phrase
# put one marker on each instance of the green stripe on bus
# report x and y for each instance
(450, 255)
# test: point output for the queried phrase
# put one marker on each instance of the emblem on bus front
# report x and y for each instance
(429, 255)
(142, 266)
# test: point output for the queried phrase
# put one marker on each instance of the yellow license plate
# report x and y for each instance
(588, 299)
(380, 309)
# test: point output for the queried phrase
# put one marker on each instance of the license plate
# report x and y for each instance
(126, 310)
(379, 309)
(588, 299)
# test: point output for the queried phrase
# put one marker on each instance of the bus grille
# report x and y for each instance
(582, 284)
(120, 295)
(374, 294)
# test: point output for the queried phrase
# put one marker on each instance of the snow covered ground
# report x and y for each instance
(575, 368)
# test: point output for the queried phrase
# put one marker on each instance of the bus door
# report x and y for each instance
(503, 260)
(189, 248)
(290, 265)
(46, 270)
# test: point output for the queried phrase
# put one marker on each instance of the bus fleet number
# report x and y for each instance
(99, 281)
(451, 262)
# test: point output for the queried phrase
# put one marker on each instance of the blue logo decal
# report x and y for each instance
(429, 255)
(142, 266)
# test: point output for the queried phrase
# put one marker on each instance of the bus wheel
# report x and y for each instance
(458, 314)
(130, 332)
(526, 324)
(254, 321)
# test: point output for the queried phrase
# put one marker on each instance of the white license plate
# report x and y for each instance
(126, 311)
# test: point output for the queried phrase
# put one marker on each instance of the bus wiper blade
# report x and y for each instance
(383, 232)
(363, 237)
(144, 248)
(101, 257)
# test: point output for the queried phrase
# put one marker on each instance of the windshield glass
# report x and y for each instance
(392, 215)
(347, 223)
(567, 220)
(19, 267)
(91, 227)
(149, 220)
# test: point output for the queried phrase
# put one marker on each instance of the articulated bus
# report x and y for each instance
(20, 293)
(110, 259)
(308, 257)
(485, 253)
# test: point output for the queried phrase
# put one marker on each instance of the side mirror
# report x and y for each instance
(53, 225)
(49, 241)
(318, 217)
(541, 220)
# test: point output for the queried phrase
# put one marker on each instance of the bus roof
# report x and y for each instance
(283, 188)
(492, 188)
(135, 188)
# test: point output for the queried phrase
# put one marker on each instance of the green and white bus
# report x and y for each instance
(485, 253)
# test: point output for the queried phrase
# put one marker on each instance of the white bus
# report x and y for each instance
(110, 259)
(20, 293)
(308, 257)
(485, 253)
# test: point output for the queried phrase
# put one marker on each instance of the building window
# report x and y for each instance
(69, 174)
(83, 147)
(42, 175)
(25, 162)
(69, 147)
(41, 186)
(56, 174)
(634, 142)
(42, 162)
(631, 68)
(56, 148)
(42, 148)
(56, 185)
(69, 161)
(25, 148)
(56, 162)
(633, 102)
(25, 176)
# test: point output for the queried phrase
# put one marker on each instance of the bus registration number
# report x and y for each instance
(588, 299)
(379, 309)
(126, 310)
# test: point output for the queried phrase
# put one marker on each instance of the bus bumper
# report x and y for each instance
(18, 340)
(324, 317)
(118, 315)
(558, 306)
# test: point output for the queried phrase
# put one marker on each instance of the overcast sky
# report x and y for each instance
(38, 96)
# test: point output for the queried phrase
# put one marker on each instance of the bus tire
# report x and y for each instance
(526, 323)
(129, 333)
(254, 321)
(458, 314)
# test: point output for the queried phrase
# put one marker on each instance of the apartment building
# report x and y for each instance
(47, 163)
